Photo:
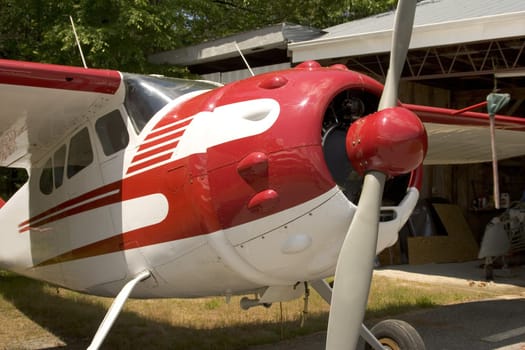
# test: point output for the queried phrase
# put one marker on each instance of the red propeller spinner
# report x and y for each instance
(392, 141)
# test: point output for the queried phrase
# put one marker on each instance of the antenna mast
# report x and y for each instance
(243, 58)
(78, 42)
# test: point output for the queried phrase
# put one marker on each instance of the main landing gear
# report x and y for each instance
(395, 335)
(387, 334)
(115, 309)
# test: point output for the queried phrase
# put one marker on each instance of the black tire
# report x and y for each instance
(397, 335)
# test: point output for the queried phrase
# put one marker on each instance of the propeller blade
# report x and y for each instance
(402, 31)
(356, 260)
(354, 268)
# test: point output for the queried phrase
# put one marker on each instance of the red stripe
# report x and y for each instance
(164, 139)
(72, 202)
(175, 115)
(158, 150)
(168, 129)
(129, 240)
(106, 246)
(148, 163)
(115, 198)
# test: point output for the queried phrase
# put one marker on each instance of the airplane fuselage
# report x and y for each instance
(222, 191)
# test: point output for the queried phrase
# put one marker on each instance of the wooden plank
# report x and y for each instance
(458, 245)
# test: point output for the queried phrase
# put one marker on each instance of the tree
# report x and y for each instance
(11, 179)
(120, 34)
(115, 34)
(217, 18)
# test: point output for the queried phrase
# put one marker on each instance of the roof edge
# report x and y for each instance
(427, 35)
(276, 36)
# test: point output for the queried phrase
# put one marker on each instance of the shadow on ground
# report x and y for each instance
(74, 320)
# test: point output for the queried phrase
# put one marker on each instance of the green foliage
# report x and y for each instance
(11, 179)
(212, 304)
(115, 34)
(208, 20)
(120, 34)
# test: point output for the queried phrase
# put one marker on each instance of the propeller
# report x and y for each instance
(387, 143)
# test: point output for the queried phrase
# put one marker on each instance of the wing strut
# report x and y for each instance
(115, 309)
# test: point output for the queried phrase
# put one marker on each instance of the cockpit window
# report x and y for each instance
(146, 95)
(53, 169)
(80, 153)
(112, 132)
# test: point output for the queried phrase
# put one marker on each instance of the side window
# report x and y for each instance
(46, 178)
(112, 132)
(80, 153)
(59, 161)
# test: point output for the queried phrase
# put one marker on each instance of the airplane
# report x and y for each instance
(152, 187)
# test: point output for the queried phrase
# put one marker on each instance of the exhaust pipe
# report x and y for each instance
(247, 303)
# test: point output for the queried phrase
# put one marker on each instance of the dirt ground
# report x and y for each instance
(509, 284)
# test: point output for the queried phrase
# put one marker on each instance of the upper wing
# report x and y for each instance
(41, 103)
(465, 137)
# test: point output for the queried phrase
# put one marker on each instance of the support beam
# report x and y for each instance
(115, 310)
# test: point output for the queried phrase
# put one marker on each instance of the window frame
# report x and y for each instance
(46, 180)
(56, 178)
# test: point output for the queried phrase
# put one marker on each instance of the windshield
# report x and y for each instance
(146, 95)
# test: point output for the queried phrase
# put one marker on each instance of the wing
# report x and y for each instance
(41, 103)
(461, 138)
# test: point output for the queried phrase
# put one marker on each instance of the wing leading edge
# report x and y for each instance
(41, 103)
(462, 138)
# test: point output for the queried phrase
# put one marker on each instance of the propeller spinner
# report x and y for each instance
(387, 143)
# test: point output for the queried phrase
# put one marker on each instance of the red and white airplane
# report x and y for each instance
(153, 187)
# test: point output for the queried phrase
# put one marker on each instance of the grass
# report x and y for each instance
(36, 315)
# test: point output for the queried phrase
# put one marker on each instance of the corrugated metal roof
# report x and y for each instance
(430, 12)
(437, 23)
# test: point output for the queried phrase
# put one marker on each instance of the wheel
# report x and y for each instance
(397, 335)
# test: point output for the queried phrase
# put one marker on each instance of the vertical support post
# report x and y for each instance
(495, 102)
